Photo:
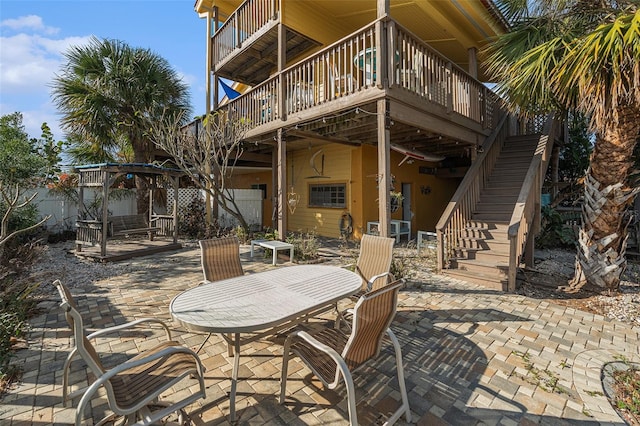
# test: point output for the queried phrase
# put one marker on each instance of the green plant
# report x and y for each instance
(626, 385)
(305, 245)
(16, 305)
(545, 379)
(555, 233)
(403, 267)
(193, 223)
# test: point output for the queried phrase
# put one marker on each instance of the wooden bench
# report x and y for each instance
(130, 225)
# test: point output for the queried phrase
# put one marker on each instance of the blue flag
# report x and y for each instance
(228, 90)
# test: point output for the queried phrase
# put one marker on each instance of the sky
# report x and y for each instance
(34, 35)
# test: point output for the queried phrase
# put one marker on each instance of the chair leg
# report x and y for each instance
(285, 367)
(404, 408)
(351, 394)
(65, 378)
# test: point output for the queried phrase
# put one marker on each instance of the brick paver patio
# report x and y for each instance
(472, 356)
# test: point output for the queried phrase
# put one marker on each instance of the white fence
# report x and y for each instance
(249, 202)
(65, 213)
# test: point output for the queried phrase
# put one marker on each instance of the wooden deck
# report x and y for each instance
(123, 249)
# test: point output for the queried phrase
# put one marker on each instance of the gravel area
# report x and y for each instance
(553, 268)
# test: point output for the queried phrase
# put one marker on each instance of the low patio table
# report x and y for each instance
(261, 304)
(274, 246)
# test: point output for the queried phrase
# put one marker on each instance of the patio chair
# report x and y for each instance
(133, 388)
(220, 258)
(373, 265)
(332, 353)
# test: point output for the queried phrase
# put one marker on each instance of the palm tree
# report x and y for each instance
(582, 55)
(108, 92)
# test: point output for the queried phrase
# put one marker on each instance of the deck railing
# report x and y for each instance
(350, 66)
(422, 70)
(248, 19)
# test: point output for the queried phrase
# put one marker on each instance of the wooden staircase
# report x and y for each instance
(481, 254)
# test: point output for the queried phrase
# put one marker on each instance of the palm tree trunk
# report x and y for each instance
(141, 155)
(602, 240)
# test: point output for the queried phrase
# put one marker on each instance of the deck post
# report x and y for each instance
(176, 187)
(384, 167)
(105, 211)
(282, 186)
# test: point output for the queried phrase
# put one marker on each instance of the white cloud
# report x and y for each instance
(29, 62)
(29, 22)
(31, 55)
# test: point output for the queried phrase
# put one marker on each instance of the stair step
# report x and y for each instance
(504, 184)
(490, 225)
(509, 199)
(491, 256)
(486, 207)
(488, 268)
(487, 282)
(501, 217)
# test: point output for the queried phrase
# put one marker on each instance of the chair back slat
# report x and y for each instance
(372, 316)
(375, 258)
(220, 258)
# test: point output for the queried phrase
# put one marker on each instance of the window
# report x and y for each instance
(328, 195)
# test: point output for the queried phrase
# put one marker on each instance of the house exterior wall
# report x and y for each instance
(429, 194)
(356, 167)
(300, 175)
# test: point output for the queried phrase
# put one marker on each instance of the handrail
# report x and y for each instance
(458, 211)
(527, 206)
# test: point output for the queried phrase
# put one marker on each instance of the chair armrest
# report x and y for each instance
(88, 395)
(321, 347)
(66, 396)
(337, 358)
(130, 324)
(376, 277)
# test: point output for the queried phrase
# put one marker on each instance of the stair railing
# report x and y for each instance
(525, 219)
(458, 212)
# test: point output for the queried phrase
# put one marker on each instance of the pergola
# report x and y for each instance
(93, 231)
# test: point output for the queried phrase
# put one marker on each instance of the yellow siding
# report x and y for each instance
(429, 194)
(357, 168)
(337, 162)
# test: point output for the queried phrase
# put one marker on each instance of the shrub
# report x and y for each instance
(16, 306)
(305, 245)
(20, 218)
(193, 223)
(554, 232)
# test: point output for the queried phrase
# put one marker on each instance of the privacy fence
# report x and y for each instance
(64, 213)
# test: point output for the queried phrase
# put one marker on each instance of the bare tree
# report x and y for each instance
(206, 151)
(11, 199)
